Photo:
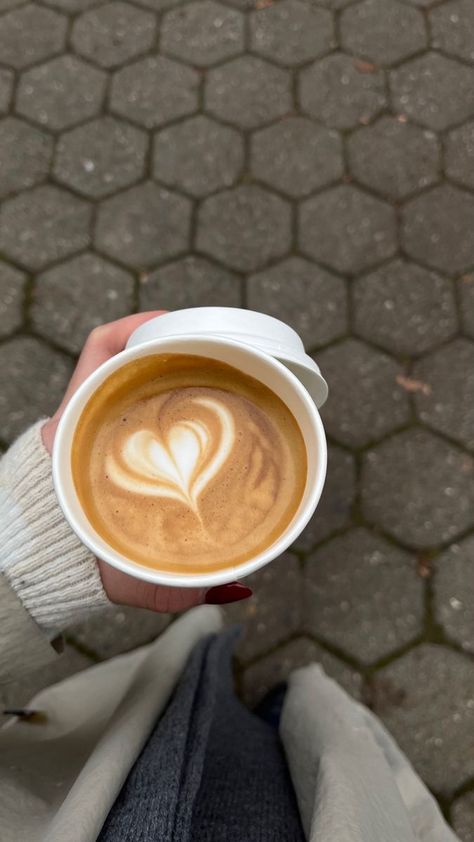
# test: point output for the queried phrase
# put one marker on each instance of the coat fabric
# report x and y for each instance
(226, 774)
(60, 777)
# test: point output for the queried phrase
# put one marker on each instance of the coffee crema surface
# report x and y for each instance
(187, 465)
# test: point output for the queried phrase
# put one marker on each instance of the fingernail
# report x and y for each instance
(233, 592)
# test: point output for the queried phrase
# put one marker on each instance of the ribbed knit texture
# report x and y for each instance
(53, 573)
(211, 771)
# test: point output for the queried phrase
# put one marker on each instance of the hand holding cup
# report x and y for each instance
(103, 343)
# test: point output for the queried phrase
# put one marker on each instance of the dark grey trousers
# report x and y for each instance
(211, 771)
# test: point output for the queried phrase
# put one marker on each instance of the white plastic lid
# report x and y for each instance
(249, 327)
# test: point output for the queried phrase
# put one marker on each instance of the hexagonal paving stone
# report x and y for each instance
(422, 4)
(365, 400)
(426, 699)
(113, 33)
(244, 5)
(304, 295)
(190, 282)
(462, 814)
(274, 611)
(76, 296)
(419, 488)
(275, 668)
(43, 225)
(25, 158)
(159, 5)
(73, 6)
(466, 293)
(334, 508)
(6, 5)
(143, 225)
(6, 88)
(61, 93)
(459, 154)
(347, 229)
(383, 31)
(452, 29)
(248, 92)
(363, 595)
(339, 93)
(394, 158)
(296, 156)
(404, 308)
(437, 229)
(291, 32)
(434, 91)
(99, 158)
(117, 629)
(198, 156)
(33, 379)
(448, 405)
(453, 591)
(12, 287)
(244, 227)
(30, 34)
(202, 33)
(334, 4)
(154, 91)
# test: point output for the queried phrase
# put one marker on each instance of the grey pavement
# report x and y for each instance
(313, 159)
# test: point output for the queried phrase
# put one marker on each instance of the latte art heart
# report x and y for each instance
(181, 465)
(184, 463)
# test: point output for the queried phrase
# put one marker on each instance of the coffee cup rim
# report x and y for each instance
(62, 476)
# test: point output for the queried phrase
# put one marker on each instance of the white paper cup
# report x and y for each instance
(250, 361)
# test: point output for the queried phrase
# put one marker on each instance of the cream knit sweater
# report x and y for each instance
(53, 573)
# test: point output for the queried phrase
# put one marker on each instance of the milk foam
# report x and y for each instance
(185, 464)
(182, 463)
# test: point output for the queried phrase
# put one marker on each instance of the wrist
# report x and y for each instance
(53, 573)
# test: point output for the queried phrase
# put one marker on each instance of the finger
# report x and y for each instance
(170, 600)
(103, 343)
(127, 590)
(173, 600)
(230, 592)
(112, 336)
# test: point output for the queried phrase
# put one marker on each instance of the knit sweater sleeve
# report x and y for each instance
(54, 575)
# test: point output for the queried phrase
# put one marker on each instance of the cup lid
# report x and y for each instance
(248, 327)
(309, 374)
(302, 366)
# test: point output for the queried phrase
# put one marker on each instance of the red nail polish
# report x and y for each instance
(233, 592)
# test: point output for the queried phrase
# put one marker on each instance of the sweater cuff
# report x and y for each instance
(52, 572)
